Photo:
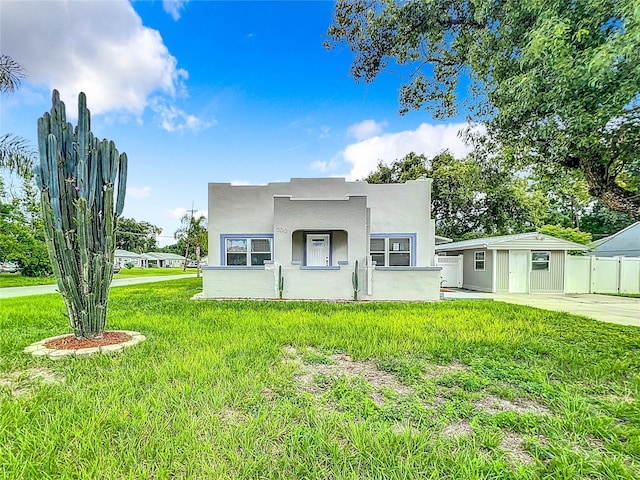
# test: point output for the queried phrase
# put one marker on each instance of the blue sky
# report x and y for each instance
(204, 91)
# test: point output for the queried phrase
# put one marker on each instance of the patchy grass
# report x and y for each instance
(315, 390)
(17, 280)
(628, 295)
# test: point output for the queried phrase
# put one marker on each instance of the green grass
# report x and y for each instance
(17, 280)
(216, 392)
(151, 272)
(629, 295)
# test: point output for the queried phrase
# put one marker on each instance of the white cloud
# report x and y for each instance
(100, 48)
(240, 183)
(172, 119)
(139, 192)
(366, 129)
(173, 7)
(426, 139)
(326, 166)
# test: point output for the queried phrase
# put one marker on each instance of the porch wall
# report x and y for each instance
(407, 284)
(238, 283)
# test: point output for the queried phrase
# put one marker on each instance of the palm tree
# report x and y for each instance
(16, 154)
(194, 233)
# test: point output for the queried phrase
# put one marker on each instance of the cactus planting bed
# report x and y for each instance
(317, 390)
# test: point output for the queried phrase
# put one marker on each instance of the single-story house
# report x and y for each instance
(522, 263)
(321, 238)
(163, 260)
(624, 243)
(123, 257)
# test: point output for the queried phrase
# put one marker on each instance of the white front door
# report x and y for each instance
(318, 250)
(518, 271)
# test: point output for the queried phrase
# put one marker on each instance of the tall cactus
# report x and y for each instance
(77, 175)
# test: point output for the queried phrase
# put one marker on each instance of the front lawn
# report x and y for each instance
(242, 389)
(17, 280)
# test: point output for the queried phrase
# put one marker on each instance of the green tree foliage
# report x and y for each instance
(555, 82)
(16, 154)
(193, 235)
(572, 234)
(21, 242)
(469, 200)
(136, 236)
(602, 222)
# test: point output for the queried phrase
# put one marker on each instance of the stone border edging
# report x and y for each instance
(38, 349)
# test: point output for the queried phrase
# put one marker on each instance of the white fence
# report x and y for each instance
(451, 273)
(603, 274)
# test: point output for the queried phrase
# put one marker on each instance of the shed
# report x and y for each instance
(624, 243)
(522, 263)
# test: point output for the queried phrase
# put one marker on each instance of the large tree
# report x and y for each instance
(136, 236)
(556, 82)
(469, 199)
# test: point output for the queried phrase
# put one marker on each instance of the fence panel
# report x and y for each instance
(451, 274)
(630, 275)
(602, 275)
(578, 274)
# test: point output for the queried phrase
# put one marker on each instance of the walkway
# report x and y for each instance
(12, 292)
(606, 308)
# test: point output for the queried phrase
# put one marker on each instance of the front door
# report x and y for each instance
(318, 250)
(518, 271)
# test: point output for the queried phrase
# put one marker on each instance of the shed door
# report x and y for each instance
(518, 271)
(317, 250)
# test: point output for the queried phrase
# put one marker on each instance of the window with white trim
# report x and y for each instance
(391, 251)
(479, 261)
(540, 261)
(247, 251)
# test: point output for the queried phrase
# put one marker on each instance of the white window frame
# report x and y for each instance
(547, 261)
(388, 250)
(249, 245)
(476, 260)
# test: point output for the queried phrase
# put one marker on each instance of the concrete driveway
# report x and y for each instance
(606, 308)
(11, 292)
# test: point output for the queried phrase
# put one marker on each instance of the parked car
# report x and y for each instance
(116, 268)
(192, 264)
(9, 267)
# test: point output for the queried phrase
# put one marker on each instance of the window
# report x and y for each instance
(540, 261)
(478, 261)
(391, 251)
(247, 251)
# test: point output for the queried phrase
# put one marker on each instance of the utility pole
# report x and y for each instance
(186, 253)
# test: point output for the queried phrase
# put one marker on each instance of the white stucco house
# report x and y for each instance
(313, 233)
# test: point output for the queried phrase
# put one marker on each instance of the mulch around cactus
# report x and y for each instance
(70, 342)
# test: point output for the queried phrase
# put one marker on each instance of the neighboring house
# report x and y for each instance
(123, 257)
(313, 233)
(522, 263)
(624, 243)
(163, 260)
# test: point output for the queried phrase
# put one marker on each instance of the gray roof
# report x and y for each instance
(126, 253)
(530, 240)
(161, 256)
(626, 242)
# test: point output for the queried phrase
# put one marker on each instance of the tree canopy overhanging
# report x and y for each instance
(556, 82)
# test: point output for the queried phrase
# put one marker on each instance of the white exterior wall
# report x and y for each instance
(350, 211)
